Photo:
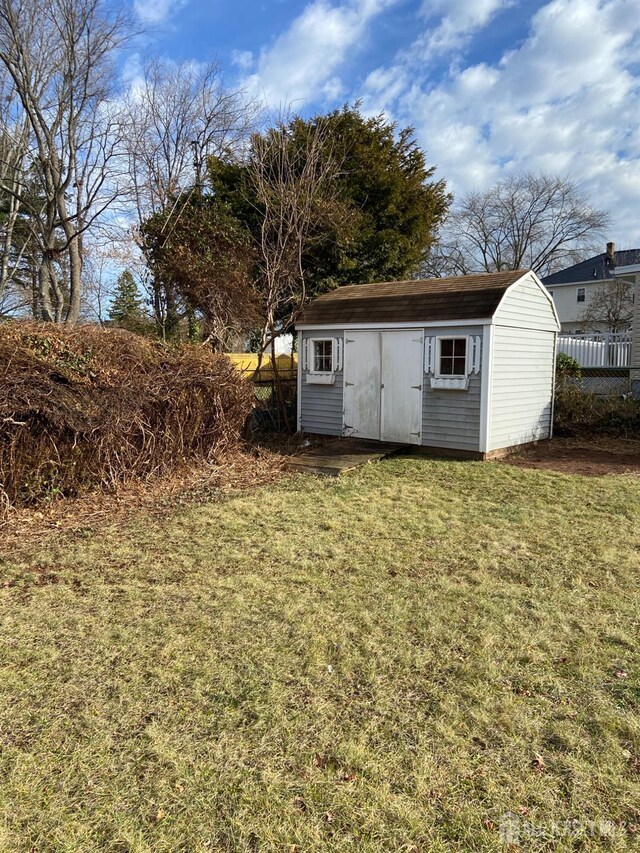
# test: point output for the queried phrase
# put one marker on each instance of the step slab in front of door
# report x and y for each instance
(383, 385)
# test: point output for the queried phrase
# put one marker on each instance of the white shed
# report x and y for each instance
(459, 365)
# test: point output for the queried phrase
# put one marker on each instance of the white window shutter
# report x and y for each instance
(476, 350)
(429, 355)
(305, 354)
(339, 354)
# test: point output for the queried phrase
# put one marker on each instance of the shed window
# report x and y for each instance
(322, 355)
(453, 357)
(581, 294)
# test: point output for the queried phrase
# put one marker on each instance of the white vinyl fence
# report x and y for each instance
(609, 350)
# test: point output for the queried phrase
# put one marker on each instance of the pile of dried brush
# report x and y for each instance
(89, 406)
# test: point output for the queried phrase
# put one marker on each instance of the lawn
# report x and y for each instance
(390, 661)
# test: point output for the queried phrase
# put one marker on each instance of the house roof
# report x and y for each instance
(597, 268)
(471, 297)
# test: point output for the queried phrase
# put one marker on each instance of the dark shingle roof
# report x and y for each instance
(469, 297)
(597, 268)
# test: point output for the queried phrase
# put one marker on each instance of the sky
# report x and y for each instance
(492, 87)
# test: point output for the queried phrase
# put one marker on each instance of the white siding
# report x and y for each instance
(527, 305)
(522, 386)
(569, 310)
(635, 333)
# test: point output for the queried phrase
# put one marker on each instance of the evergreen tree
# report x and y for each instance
(126, 311)
(391, 205)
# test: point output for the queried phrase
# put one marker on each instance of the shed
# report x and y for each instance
(459, 365)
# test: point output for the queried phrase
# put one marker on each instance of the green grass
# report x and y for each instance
(385, 662)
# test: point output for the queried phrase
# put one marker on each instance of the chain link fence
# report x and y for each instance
(604, 382)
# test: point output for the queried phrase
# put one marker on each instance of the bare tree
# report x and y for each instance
(295, 192)
(13, 149)
(58, 57)
(610, 306)
(178, 115)
(541, 222)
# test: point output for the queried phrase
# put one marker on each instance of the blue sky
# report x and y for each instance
(491, 86)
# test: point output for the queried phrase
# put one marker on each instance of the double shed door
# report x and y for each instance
(383, 377)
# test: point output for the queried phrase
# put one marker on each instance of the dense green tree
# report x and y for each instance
(393, 204)
(201, 260)
(127, 307)
(309, 204)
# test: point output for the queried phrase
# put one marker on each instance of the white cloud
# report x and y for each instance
(243, 59)
(157, 11)
(459, 19)
(302, 62)
(566, 100)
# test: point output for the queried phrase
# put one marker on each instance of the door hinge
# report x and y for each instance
(348, 383)
(418, 388)
(382, 384)
(348, 340)
(414, 433)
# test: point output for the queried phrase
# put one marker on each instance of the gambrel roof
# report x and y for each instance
(471, 297)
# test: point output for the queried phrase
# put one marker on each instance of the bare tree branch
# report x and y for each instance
(541, 222)
(58, 56)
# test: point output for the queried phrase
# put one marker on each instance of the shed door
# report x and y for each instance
(382, 385)
(401, 392)
(362, 384)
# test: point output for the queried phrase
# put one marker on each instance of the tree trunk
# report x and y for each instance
(75, 281)
(277, 381)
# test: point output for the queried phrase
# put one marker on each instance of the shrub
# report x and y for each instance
(90, 406)
(566, 366)
(577, 412)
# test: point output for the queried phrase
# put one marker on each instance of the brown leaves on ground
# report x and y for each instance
(240, 469)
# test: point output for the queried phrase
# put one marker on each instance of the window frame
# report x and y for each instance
(311, 367)
(582, 290)
(438, 365)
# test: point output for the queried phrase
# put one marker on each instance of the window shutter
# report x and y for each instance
(304, 355)
(337, 359)
(429, 355)
(476, 350)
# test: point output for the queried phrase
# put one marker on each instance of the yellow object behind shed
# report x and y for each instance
(247, 364)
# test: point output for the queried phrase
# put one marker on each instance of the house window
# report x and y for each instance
(581, 294)
(322, 355)
(452, 359)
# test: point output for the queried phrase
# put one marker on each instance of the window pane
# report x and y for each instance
(322, 356)
(453, 357)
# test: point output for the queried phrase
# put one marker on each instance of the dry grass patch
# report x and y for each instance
(387, 661)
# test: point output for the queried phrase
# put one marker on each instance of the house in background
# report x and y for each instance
(573, 287)
(631, 273)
